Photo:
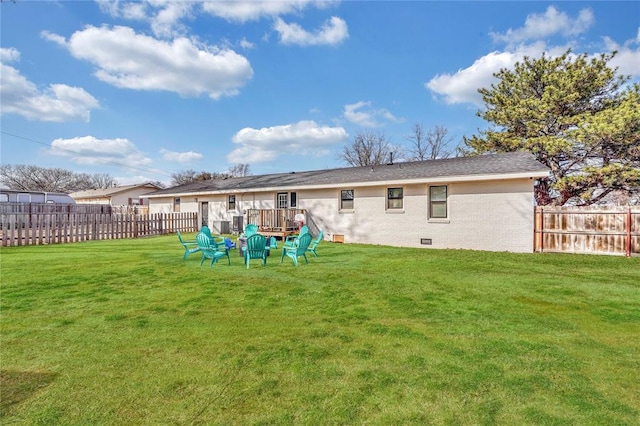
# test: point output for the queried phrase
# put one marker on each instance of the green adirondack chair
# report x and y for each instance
(250, 229)
(214, 239)
(314, 244)
(189, 246)
(273, 243)
(211, 250)
(299, 248)
(291, 239)
(256, 248)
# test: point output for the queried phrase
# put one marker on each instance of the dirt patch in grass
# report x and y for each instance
(18, 386)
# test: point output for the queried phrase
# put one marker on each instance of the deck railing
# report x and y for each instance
(275, 220)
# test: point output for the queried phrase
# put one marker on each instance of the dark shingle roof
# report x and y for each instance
(482, 165)
(106, 192)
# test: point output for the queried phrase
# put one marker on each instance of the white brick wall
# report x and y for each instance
(489, 215)
(495, 216)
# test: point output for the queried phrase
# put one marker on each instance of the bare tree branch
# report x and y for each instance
(367, 149)
(431, 144)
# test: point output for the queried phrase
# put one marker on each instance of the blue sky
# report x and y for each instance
(140, 90)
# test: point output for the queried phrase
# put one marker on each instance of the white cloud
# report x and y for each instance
(369, 117)
(166, 22)
(135, 61)
(627, 60)
(93, 151)
(550, 23)
(332, 32)
(251, 10)
(462, 86)
(245, 44)
(164, 17)
(121, 9)
(181, 157)
(57, 102)
(9, 55)
(301, 138)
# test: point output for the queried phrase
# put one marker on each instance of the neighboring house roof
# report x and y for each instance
(481, 167)
(109, 192)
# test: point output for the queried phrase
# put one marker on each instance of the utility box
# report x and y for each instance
(338, 238)
(238, 225)
(224, 227)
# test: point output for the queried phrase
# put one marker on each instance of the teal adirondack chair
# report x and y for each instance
(189, 246)
(314, 244)
(250, 229)
(256, 248)
(291, 239)
(218, 240)
(273, 243)
(211, 250)
(299, 248)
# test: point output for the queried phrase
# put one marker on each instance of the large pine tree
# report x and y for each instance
(577, 116)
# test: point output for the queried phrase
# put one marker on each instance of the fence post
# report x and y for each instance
(629, 232)
(538, 229)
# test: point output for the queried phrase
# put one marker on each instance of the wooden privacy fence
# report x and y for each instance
(19, 229)
(614, 231)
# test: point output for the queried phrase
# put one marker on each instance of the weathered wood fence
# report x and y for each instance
(61, 224)
(614, 231)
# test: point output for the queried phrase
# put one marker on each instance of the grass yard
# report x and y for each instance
(126, 332)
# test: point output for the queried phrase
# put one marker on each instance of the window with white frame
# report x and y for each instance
(438, 202)
(176, 205)
(346, 199)
(394, 198)
(285, 200)
(282, 200)
(231, 202)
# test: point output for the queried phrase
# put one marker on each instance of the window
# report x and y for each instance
(285, 200)
(231, 205)
(176, 205)
(346, 199)
(281, 200)
(438, 202)
(394, 198)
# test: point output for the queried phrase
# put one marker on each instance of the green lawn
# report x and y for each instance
(126, 332)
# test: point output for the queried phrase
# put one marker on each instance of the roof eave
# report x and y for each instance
(361, 184)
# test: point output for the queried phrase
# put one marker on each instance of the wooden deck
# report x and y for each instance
(278, 234)
(278, 223)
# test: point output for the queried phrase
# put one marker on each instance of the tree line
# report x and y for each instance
(34, 178)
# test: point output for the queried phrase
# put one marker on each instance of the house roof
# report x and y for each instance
(481, 167)
(108, 192)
